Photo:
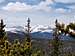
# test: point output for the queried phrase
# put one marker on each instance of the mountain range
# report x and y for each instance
(38, 32)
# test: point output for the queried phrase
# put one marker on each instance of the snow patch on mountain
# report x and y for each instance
(41, 28)
(15, 29)
(37, 28)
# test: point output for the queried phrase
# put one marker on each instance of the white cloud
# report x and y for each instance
(24, 7)
(42, 6)
(17, 7)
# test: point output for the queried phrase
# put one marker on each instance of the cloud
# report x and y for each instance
(42, 6)
(17, 7)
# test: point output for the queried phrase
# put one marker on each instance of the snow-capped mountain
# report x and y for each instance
(37, 28)
(38, 31)
(41, 28)
(14, 29)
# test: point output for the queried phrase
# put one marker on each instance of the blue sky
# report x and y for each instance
(44, 12)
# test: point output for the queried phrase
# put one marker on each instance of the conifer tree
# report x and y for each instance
(56, 41)
(3, 40)
(28, 39)
(2, 32)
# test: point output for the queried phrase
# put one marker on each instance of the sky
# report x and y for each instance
(41, 12)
